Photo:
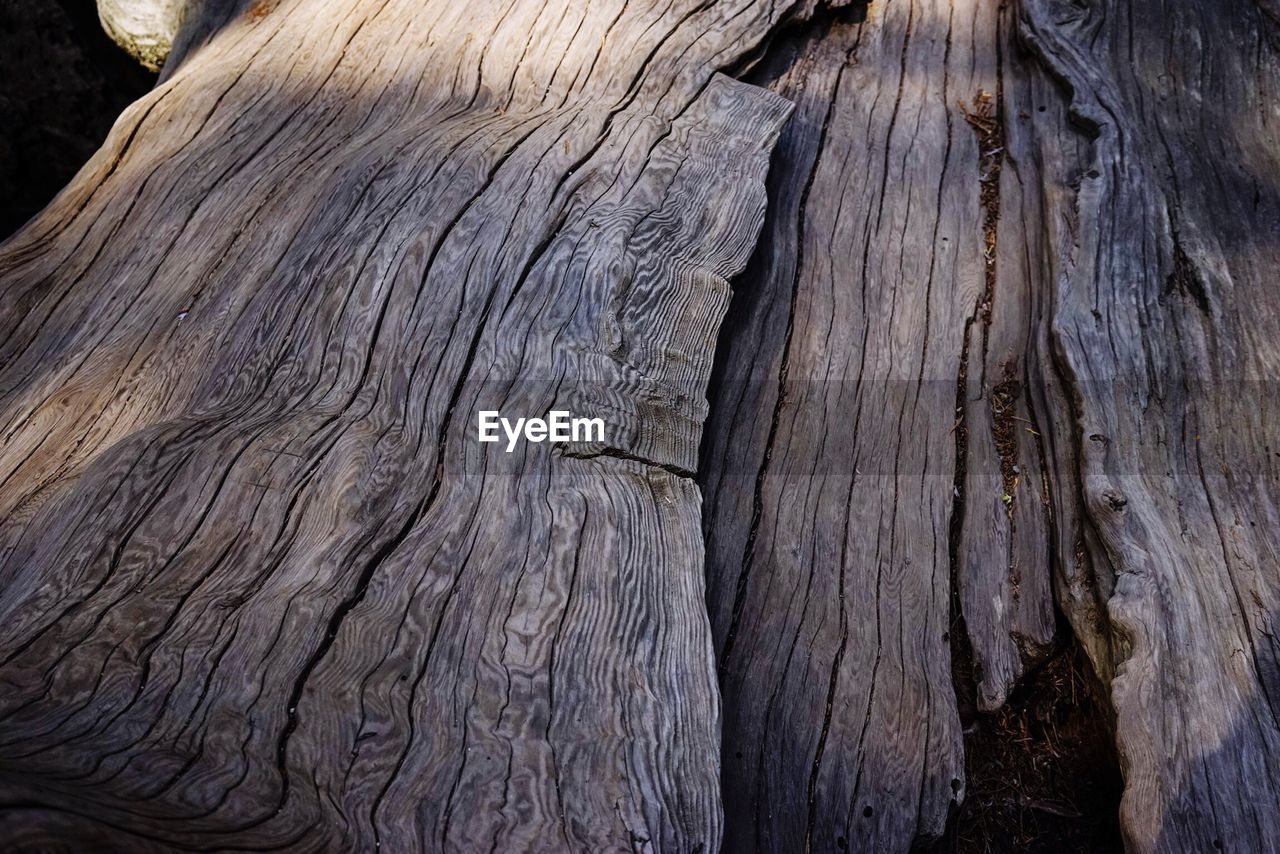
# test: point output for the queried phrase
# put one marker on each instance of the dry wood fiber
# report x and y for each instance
(260, 590)
(1003, 553)
(1154, 127)
(260, 586)
(1115, 337)
(830, 455)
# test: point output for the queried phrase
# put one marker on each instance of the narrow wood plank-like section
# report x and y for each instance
(1157, 130)
(830, 456)
(1005, 513)
(260, 586)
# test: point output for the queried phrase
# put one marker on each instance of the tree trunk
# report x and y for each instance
(1160, 214)
(1007, 204)
(262, 586)
(996, 374)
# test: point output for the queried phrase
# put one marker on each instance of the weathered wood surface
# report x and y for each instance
(260, 587)
(1003, 556)
(1160, 212)
(1010, 334)
(1097, 280)
(830, 454)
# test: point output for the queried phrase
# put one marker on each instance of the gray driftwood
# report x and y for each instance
(831, 452)
(1008, 342)
(1152, 171)
(260, 586)
(1044, 235)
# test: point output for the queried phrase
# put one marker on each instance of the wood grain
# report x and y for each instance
(1008, 340)
(1005, 512)
(261, 587)
(1161, 214)
(830, 454)
(1059, 200)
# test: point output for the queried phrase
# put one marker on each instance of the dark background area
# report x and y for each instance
(1041, 774)
(63, 82)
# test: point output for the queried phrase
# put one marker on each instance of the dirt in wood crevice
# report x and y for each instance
(988, 125)
(1004, 427)
(1041, 774)
(986, 119)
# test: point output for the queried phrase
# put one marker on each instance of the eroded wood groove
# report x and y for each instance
(828, 475)
(262, 586)
(1000, 362)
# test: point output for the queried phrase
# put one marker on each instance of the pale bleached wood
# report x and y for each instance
(145, 29)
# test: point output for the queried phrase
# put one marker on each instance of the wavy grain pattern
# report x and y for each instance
(261, 587)
(1008, 342)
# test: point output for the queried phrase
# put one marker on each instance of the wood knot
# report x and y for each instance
(1115, 501)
